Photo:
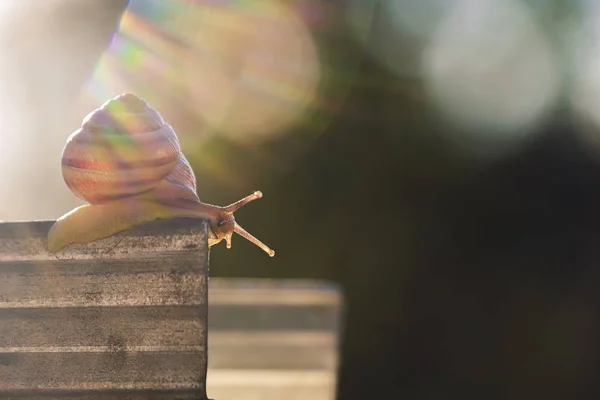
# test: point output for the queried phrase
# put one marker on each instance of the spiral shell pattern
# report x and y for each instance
(124, 148)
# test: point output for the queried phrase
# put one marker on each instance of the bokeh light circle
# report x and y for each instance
(491, 71)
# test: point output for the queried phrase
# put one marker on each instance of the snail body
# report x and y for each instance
(125, 162)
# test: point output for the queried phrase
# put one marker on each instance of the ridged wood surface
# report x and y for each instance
(273, 339)
(123, 317)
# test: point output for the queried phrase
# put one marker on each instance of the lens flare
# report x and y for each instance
(247, 69)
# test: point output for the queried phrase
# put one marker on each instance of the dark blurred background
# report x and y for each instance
(438, 159)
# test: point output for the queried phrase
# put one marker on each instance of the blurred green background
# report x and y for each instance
(438, 159)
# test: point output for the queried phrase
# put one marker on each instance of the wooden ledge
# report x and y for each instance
(123, 317)
(26, 241)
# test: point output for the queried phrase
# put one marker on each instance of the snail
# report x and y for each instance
(125, 162)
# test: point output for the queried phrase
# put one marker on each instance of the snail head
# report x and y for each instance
(223, 224)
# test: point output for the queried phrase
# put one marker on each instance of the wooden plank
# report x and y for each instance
(273, 339)
(262, 292)
(273, 317)
(280, 357)
(255, 326)
(105, 395)
(123, 317)
(161, 280)
(27, 241)
(50, 328)
(114, 369)
(273, 384)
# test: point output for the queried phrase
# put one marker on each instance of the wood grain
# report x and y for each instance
(273, 339)
(255, 326)
(123, 317)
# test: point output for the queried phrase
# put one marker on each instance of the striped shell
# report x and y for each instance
(124, 148)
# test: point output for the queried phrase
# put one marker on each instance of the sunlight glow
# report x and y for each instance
(248, 70)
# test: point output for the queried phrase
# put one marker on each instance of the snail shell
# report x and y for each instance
(126, 163)
(122, 149)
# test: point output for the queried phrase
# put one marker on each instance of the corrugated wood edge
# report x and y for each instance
(27, 241)
(283, 324)
(23, 245)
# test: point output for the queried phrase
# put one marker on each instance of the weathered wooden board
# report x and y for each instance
(274, 324)
(123, 317)
(273, 339)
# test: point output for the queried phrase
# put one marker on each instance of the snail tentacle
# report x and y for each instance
(242, 232)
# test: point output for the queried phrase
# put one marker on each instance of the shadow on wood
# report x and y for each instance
(123, 317)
